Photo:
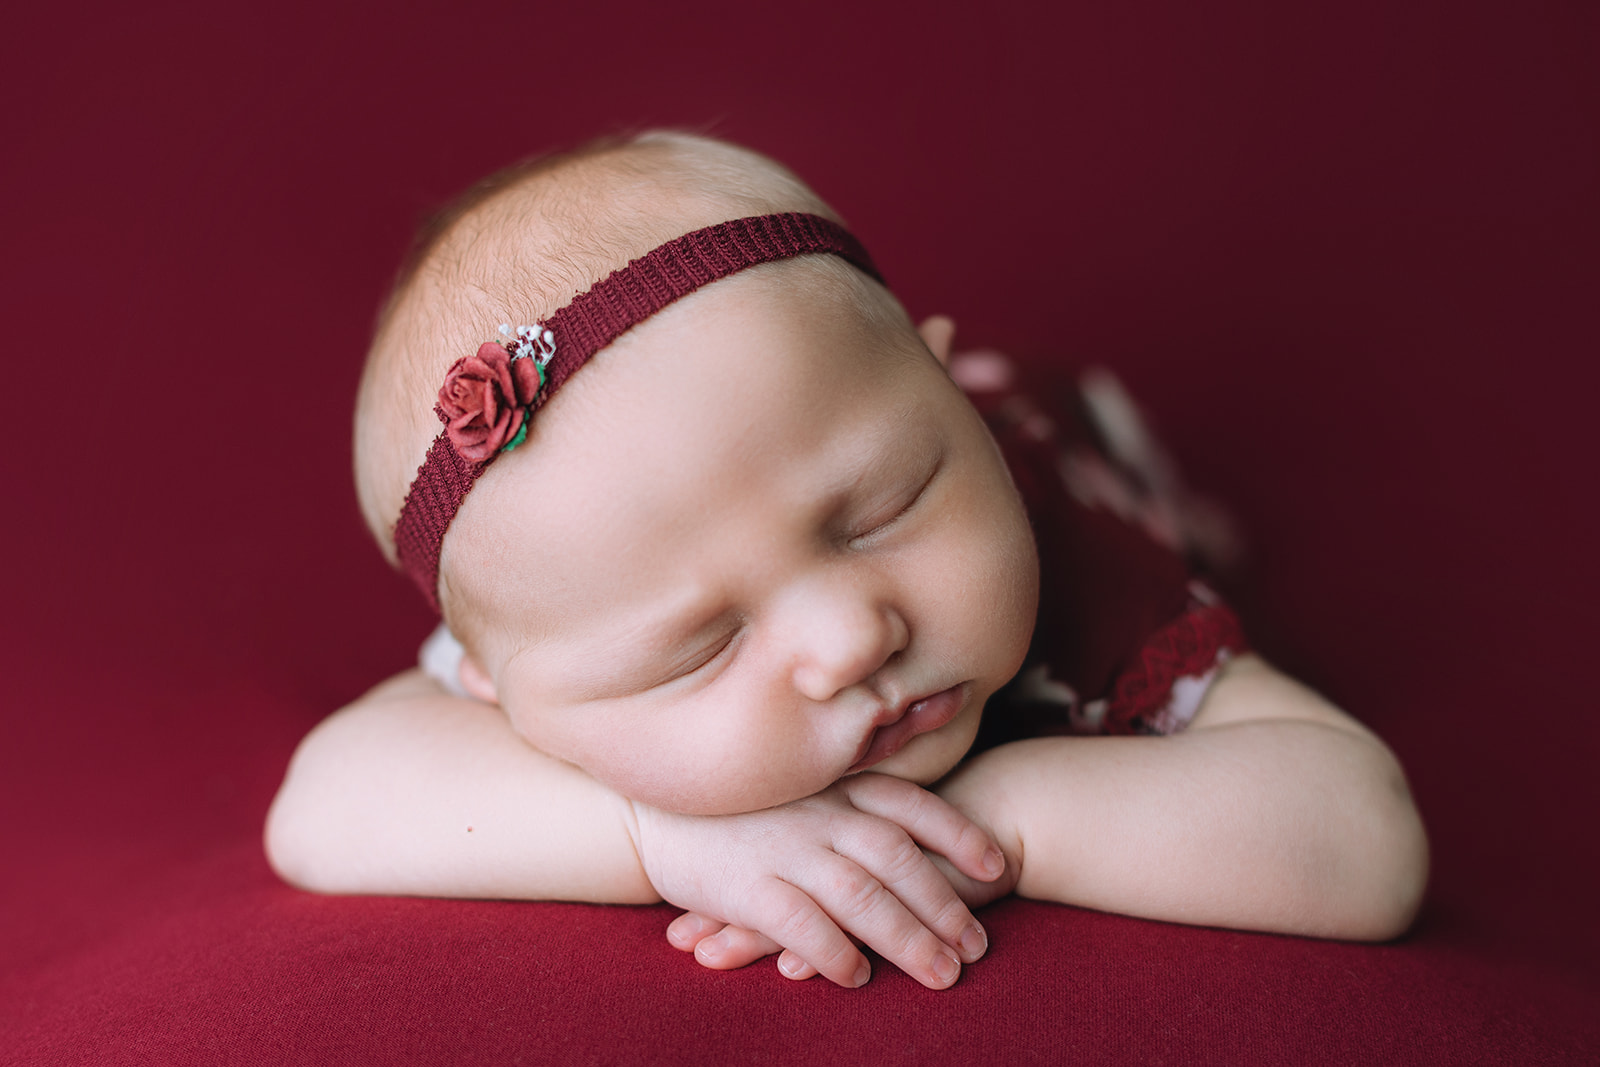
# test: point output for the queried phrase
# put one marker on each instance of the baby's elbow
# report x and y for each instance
(309, 838)
(291, 843)
(283, 845)
(1392, 893)
(1384, 891)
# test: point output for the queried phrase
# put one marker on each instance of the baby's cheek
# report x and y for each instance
(530, 727)
(597, 742)
(704, 773)
(714, 794)
(750, 776)
(1013, 591)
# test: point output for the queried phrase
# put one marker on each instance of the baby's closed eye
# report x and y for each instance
(885, 517)
(703, 657)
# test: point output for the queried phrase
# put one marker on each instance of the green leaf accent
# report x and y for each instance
(522, 431)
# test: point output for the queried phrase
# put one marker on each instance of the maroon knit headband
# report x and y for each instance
(487, 398)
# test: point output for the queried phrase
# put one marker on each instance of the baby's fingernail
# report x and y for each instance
(863, 972)
(790, 965)
(974, 942)
(945, 968)
(711, 947)
(994, 863)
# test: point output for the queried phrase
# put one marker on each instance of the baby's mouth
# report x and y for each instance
(921, 717)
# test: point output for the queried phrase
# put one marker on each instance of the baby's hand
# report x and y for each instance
(724, 947)
(809, 875)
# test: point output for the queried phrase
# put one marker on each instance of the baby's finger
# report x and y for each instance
(973, 893)
(733, 946)
(931, 821)
(792, 966)
(882, 848)
(870, 911)
(791, 918)
(691, 928)
(716, 944)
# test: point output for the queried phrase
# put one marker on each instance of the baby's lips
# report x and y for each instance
(924, 716)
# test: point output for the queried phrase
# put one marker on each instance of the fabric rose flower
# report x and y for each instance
(485, 398)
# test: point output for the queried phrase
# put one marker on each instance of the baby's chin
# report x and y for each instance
(931, 756)
(923, 761)
(753, 792)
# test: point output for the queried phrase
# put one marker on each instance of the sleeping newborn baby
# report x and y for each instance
(731, 605)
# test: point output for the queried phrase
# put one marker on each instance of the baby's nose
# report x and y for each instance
(844, 638)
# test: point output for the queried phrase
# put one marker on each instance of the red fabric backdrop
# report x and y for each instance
(1345, 252)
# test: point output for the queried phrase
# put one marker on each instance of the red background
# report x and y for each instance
(1346, 253)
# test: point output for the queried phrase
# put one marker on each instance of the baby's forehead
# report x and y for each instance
(767, 354)
(770, 389)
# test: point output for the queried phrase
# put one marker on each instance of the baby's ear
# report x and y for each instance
(938, 333)
(476, 681)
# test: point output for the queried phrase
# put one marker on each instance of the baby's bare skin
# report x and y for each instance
(756, 537)
(1266, 763)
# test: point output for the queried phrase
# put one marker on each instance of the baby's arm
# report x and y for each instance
(1273, 811)
(411, 790)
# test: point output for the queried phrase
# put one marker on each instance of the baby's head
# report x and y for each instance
(759, 542)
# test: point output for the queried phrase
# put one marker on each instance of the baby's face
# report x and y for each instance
(760, 544)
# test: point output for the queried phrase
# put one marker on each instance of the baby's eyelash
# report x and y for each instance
(704, 658)
(877, 526)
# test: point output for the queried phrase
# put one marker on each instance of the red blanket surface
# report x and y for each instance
(1345, 252)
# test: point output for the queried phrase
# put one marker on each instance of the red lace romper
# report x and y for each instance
(1128, 641)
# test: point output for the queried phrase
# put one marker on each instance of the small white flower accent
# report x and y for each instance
(1091, 718)
(1187, 693)
(532, 342)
